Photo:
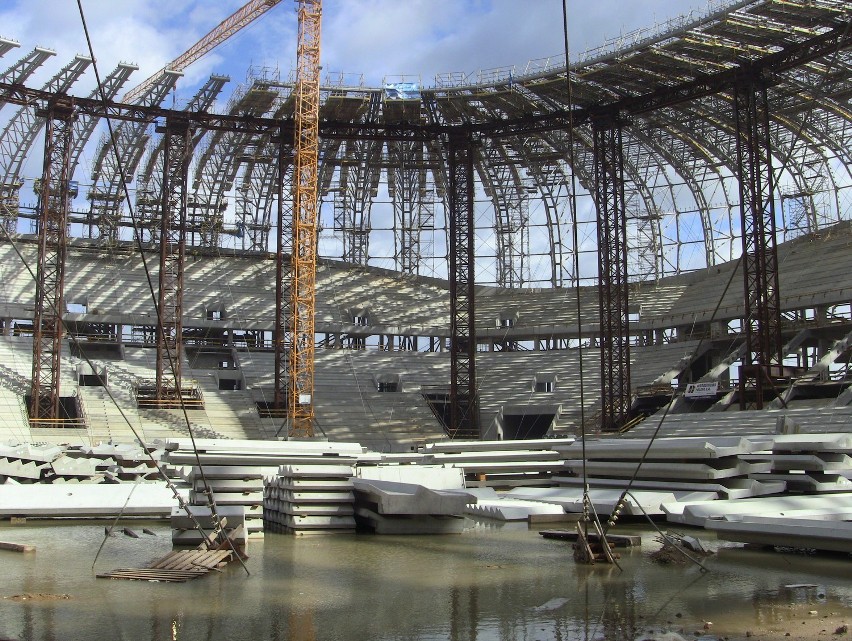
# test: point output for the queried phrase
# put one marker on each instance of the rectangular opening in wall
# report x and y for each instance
(388, 382)
(215, 312)
(94, 375)
(267, 408)
(230, 384)
(528, 425)
(544, 383)
(91, 380)
(70, 414)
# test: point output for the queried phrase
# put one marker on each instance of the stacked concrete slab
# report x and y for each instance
(411, 499)
(814, 514)
(185, 526)
(60, 464)
(86, 500)
(811, 463)
(665, 470)
(236, 472)
(502, 507)
(311, 498)
(501, 463)
(637, 503)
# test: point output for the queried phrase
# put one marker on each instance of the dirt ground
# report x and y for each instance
(802, 625)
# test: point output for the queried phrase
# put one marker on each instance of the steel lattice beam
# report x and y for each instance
(612, 273)
(148, 184)
(176, 155)
(763, 355)
(53, 205)
(117, 160)
(20, 134)
(464, 404)
(413, 196)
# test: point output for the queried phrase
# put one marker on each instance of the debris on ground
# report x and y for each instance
(38, 596)
(678, 549)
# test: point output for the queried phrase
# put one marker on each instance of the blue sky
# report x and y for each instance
(381, 39)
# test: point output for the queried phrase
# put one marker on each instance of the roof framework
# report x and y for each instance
(382, 181)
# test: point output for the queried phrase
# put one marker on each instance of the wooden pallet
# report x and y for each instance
(175, 567)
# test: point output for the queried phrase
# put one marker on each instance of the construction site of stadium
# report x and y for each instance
(616, 291)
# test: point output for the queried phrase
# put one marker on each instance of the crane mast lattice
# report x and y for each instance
(242, 17)
(304, 262)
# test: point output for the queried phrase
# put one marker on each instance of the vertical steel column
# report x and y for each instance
(464, 404)
(762, 323)
(282, 338)
(176, 155)
(305, 220)
(612, 273)
(53, 205)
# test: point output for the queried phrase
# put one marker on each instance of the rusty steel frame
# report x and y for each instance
(282, 338)
(612, 273)
(464, 403)
(305, 220)
(176, 156)
(53, 206)
(762, 319)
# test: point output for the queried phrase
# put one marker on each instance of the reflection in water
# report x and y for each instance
(487, 584)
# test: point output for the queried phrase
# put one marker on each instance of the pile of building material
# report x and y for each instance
(411, 499)
(501, 507)
(310, 499)
(499, 463)
(636, 503)
(814, 514)
(810, 463)
(805, 533)
(28, 463)
(59, 464)
(236, 473)
(121, 462)
(673, 470)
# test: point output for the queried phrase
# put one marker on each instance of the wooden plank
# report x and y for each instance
(141, 574)
(181, 560)
(615, 540)
(17, 547)
(159, 563)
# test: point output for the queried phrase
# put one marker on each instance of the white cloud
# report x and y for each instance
(377, 38)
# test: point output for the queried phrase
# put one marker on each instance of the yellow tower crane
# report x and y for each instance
(242, 17)
(305, 217)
